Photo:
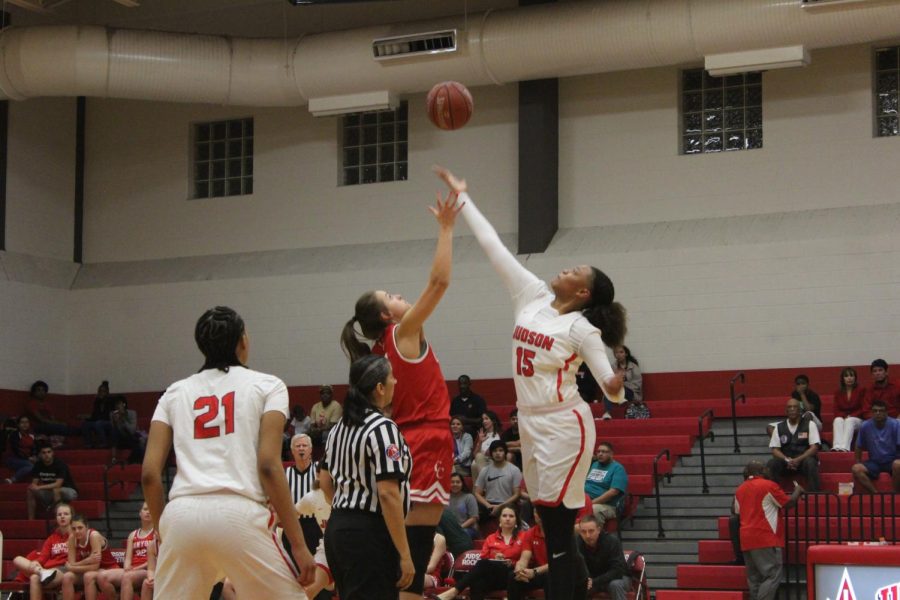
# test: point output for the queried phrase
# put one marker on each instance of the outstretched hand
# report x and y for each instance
(447, 208)
(458, 186)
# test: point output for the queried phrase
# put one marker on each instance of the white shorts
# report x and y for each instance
(557, 446)
(206, 538)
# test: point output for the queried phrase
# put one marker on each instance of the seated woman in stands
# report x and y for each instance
(848, 411)
(490, 431)
(135, 568)
(464, 505)
(41, 571)
(501, 550)
(88, 552)
(462, 447)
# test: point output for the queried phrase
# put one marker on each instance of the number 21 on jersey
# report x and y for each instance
(524, 361)
(209, 407)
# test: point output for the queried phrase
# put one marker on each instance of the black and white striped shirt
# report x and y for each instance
(301, 482)
(359, 457)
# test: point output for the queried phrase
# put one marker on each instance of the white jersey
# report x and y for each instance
(315, 505)
(215, 418)
(547, 347)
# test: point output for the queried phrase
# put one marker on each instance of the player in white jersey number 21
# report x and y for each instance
(226, 425)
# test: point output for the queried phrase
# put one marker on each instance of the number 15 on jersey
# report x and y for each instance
(209, 407)
(524, 361)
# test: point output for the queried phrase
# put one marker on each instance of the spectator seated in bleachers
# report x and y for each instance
(628, 367)
(606, 484)
(795, 443)
(39, 569)
(97, 429)
(38, 411)
(603, 556)
(51, 482)
(809, 398)
(125, 435)
(487, 435)
(880, 437)
(462, 447)
(463, 506)
(501, 550)
(498, 484)
(530, 572)
(88, 552)
(133, 572)
(882, 389)
(848, 411)
(22, 451)
(468, 405)
(324, 415)
(511, 438)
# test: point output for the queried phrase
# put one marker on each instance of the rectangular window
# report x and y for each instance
(374, 146)
(223, 158)
(887, 73)
(720, 113)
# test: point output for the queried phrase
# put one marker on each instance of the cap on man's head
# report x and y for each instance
(879, 362)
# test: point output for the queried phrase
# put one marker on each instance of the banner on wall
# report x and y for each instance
(855, 582)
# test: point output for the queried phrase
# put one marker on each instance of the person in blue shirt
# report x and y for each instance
(880, 436)
(606, 484)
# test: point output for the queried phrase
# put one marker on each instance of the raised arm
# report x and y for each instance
(515, 276)
(409, 330)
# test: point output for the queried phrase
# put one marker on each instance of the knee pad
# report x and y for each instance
(421, 544)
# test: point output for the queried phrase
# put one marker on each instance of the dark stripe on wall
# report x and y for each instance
(538, 164)
(4, 131)
(79, 178)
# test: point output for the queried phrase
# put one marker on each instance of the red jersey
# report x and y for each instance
(55, 551)
(495, 545)
(533, 541)
(758, 501)
(139, 545)
(420, 395)
(107, 560)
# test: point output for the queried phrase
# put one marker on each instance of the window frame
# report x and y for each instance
(229, 161)
(368, 155)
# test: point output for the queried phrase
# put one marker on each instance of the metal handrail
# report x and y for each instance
(711, 434)
(743, 398)
(664, 452)
(106, 469)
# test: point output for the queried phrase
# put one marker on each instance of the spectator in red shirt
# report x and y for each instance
(530, 572)
(847, 410)
(882, 389)
(502, 549)
(36, 409)
(759, 501)
(22, 451)
(40, 569)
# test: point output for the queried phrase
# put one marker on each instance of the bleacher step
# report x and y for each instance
(693, 500)
(733, 461)
(681, 480)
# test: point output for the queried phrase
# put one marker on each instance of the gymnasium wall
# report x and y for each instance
(775, 258)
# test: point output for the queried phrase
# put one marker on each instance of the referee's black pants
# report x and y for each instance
(362, 558)
(486, 576)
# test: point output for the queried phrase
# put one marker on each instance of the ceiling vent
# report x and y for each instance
(417, 44)
(823, 3)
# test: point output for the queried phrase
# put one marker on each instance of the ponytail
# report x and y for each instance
(365, 374)
(603, 313)
(367, 313)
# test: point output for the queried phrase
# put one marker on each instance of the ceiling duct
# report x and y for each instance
(418, 44)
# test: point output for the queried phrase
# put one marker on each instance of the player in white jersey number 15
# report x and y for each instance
(557, 327)
(226, 425)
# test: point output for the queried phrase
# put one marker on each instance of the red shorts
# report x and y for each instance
(431, 447)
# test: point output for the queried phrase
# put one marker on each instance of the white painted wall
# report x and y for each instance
(785, 256)
(40, 192)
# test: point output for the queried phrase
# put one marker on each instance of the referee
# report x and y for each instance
(365, 472)
(300, 478)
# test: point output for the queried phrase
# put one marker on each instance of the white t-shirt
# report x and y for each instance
(215, 418)
(315, 505)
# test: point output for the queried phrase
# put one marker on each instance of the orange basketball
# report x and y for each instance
(449, 105)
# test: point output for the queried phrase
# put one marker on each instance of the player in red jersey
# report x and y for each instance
(88, 551)
(135, 568)
(421, 405)
(41, 572)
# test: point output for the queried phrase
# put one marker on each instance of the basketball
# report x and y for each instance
(449, 105)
